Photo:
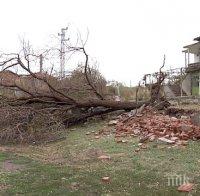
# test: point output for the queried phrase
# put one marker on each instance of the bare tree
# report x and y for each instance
(68, 99)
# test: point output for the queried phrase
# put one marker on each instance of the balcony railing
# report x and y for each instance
(193, 67)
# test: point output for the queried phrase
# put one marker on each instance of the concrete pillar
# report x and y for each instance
(185, 59)
(199, 83)
(188, 51)
(41, 62)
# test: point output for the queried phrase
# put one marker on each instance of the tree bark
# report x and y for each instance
(115, 105)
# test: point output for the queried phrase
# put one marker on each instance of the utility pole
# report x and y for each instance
(62, 51)
(41, 62)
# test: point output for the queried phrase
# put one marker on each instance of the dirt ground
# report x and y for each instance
(73, 167)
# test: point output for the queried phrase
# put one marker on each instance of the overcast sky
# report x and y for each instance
(127, 37)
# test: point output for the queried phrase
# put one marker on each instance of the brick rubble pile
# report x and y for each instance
(152, 125)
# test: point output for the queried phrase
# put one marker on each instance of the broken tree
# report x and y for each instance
(67, 100)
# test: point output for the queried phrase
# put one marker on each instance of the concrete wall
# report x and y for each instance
(196, 58)
(186, 85)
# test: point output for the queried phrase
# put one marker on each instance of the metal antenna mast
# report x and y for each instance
(62, 51)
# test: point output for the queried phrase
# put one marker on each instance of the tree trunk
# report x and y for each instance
(114, 105)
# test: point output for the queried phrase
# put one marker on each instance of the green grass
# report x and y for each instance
(71, 167)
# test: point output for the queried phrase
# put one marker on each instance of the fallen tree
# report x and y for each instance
(66, 100)
(56, 91)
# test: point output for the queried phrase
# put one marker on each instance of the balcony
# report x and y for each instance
(192, 67)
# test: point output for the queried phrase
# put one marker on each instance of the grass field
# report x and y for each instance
(72, 167)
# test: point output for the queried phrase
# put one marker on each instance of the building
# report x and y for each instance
(10, 80)
(7, 83)
(184, 81)
(192, 64)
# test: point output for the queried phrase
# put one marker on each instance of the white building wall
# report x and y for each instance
(196, 58)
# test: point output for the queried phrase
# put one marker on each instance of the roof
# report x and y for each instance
(8, 73)
(197, 39)
(40, 75)
(193, 48)
(8, 77)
